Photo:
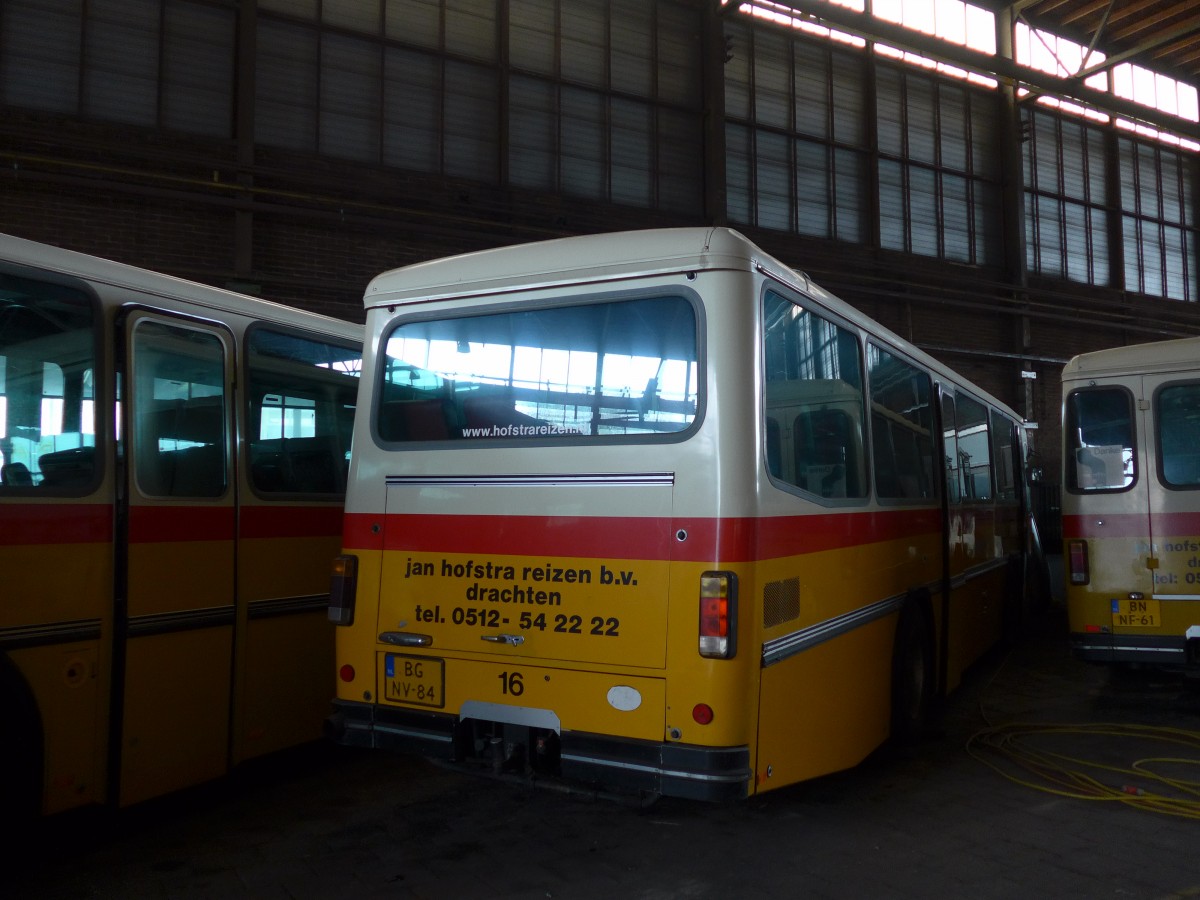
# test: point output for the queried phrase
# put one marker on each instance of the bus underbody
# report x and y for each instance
(528, 749)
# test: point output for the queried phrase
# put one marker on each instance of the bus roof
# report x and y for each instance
(572, 260)
(619, 255)
(1159, 356)
(106, 271)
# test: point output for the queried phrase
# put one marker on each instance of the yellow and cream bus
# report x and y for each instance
(1131, 503)
(172, 471)
(652, 511)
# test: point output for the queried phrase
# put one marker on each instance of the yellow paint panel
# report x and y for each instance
(285, 567)
(581, 700)
(176, 712)
(166, 577)
(827, 708)
(288, 682)
(66, 683)
(578, 609)
(55, 583)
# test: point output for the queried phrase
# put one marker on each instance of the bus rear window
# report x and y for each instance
(1100, 447)
(621, 369)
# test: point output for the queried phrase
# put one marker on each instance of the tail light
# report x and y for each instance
(718, 615)
(1077, 562)
(343, 587)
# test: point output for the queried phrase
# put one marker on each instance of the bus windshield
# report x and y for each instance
(610, 369)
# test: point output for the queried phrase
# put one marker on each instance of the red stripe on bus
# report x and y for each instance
(1178, 524)
(1132, 525)
(27, 524)
(291, 521)
(728, 540)
(179, 524)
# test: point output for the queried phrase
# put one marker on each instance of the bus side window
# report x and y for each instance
(901, 426)
(179, 411)
(302, 395)
(814, 389)
(974, 449)
(1178, 418)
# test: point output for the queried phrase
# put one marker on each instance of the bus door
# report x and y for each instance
(1171, 463)
(1107, 539)
(175, 609)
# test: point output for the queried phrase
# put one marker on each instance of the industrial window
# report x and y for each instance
(604, 101)
(1158, 220)
(938, 168)
(795, 135)
(1066, 198)
(155, 63)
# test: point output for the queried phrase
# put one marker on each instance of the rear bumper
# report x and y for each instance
(717, 774)
(1177, 651)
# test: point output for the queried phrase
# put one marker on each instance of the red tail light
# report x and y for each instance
(718, 615)
(343, 586)
(1077, 562)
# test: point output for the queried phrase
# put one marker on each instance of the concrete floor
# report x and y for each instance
(931, 822)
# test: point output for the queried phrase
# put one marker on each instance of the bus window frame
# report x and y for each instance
(134, 316)
(102, 421)
(1070, 484)
(656, 292)
(246, 407)
(812, 305)
(937, 487)
(1156, 407)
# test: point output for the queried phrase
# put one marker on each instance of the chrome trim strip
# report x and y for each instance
(1192, 597)
(682, 774)
(781, 648)
(1130, 648)
(185, 620)
(603, 479)
(286, 606)
(52, 633)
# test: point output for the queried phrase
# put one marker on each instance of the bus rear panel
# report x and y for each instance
(1131, 504)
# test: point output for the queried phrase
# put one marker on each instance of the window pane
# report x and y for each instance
(814, 401)
(902, 427)
(1099, 438)
(47, 386)
(179, 411)
(301, 411)
(974, 449)
(1179, 435)
(625, 368)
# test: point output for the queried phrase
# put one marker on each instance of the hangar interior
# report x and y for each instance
(1005, 184)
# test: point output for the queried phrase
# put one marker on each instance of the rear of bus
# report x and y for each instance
(538, 501)
(1131, 504)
